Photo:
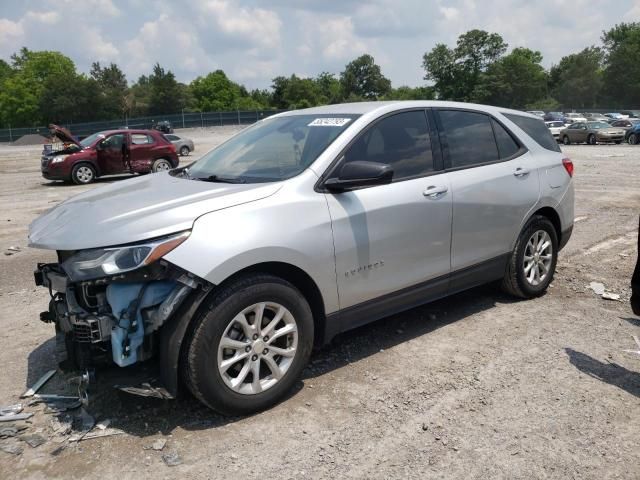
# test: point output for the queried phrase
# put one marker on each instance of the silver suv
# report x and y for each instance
(224, 274)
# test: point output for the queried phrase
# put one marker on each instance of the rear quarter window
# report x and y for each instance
(536, 129)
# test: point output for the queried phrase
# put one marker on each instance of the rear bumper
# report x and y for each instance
(564, 237)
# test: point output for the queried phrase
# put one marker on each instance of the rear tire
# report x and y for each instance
(565, 140)
(591, 139)
(530, 254)
(633, 139)
(83, 174)
(161, 165)
(228, 328)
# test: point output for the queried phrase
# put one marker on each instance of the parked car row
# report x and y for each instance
(572, 117)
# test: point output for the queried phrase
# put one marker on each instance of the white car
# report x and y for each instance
(575, 117)
(555, 127)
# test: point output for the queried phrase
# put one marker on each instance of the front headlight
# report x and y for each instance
(100, 262)
(59, 158)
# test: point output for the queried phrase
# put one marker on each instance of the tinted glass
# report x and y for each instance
(113, 142)
(507, 146)
(470, 138)
(273, 149)
(598, 125)
(140, 139)
(536, 129)
(401, 141)
(172, 138)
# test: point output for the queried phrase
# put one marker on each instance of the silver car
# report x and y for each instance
(227, 273)
(184, 146)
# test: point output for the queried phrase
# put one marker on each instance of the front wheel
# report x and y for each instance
(184, 151)
(566, 140)
(250, 345)
(533, 261)
(633, 139)
(83, 174)
(591, 139)
(161, 165)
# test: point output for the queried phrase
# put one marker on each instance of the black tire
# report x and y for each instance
(633, 139)
(83, 174)
(591, 139)
(515, 282)
(184, 151)
(161, 165)
(565, 140)
(200, 362)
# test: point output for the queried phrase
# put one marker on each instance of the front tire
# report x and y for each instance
(83, 174)
(565, 140)
(633, 139)
(184, 151)
(250, 345)
(591, 139)
(533, 261)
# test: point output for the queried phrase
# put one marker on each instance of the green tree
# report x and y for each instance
(409, 93)
(295, 92)
(165, 96)
(576, 81)
(456, 73)
(622, 65)
(329, 88)
(363, 78)
(216, 92)
(69, 98)
(113, 88)
(515, 80)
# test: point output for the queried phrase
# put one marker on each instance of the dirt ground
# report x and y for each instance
(476, 386)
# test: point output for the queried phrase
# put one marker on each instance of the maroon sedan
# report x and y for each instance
(107, 153)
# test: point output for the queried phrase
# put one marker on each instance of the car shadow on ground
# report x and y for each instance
(610, 373)
(142, 417)
(98, 181)
(632, 320)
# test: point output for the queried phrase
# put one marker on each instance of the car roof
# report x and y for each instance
(361, 108)
(126, 130)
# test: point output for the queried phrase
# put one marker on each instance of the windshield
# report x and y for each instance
(271, 150)
(90, 139)
(598, 125)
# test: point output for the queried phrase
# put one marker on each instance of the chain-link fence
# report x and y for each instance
(178, 120)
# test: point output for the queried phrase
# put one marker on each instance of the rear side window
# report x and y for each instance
(507, 146)
(171, 138)
(401, 140)
(141, 139)
(470, 138)
(536, 129)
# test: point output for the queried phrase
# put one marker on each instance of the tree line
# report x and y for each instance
(37, 87)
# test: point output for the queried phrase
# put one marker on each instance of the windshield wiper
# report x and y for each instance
(221, 179)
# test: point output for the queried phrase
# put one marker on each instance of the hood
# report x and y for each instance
(137, 209)
(62, 134)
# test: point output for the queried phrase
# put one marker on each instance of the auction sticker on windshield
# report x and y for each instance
(329, 122)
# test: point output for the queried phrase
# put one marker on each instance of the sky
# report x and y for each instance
(255, 40)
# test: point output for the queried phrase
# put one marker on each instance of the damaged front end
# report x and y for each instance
(109, 304)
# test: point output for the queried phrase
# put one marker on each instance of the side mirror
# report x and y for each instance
(360, 174)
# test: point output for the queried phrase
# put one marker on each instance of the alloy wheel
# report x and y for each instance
(538, 256)
(84, 174)
(257, 348)
(163, 166)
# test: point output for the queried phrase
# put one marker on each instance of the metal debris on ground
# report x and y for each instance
(38, 385)
(85, 423)
(11, 409)
(15, 416)
(172, 459)
(11, 448)
(146, 390)
(33, 440)
(107, 432)
(610, 296)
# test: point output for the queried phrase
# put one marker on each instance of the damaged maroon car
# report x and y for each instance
(106, 153)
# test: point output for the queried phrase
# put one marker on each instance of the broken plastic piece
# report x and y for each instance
(11, 409)
(15, 416)
(38, 385)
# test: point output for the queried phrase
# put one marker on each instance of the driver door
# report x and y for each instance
(111, 154)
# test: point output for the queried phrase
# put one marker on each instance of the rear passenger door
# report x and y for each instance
(494, 186)
(140, 154)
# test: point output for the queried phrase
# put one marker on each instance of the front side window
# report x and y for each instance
(401, 141)
(469, 137)
(273, 149)
(113, 142)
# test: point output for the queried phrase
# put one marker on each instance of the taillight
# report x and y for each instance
(568, 166)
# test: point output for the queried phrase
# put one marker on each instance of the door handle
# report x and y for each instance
(434, 191)
(521, 172)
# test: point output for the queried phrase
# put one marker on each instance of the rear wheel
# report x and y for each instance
(250, 345)
(591, 139)
(184, 151)
(161, 165)
(533, 260)
(83, 173)
(633, 139)
(566, 140)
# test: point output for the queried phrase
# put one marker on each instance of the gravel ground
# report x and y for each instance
(474, 386)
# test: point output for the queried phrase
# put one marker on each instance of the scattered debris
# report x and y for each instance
(159, 444)
(637, 352)
(597, 287)
(38, 385)
(12, 449)
(14, 249)
(107, 432)
(610, 296)
(11, 409)
(15, 416)
(146, 390)
(172, 459)
(33, 440)
(85, 424)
